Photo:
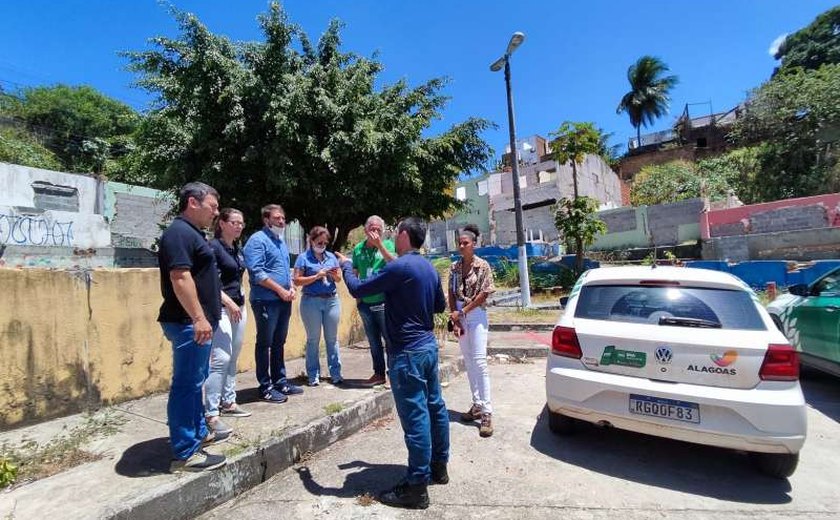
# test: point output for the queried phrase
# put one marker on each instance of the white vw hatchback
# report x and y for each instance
(688, 354)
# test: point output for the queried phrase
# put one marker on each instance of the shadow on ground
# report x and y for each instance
(368, 478)
(145, 459)
(455, 417)
(822, 392)
(665, 463)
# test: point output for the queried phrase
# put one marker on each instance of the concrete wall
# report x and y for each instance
(542, 185)
(135, 214)
(27, 226)
(441, 234)
(809, 244)
(782, 215)
(645, 226)
(805, 228)
(72, 340)
(46, 208)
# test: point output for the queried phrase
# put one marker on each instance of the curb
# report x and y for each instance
(197, 493)
(518, 351)
(542, 327)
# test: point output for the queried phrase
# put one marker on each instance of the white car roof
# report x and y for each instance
(684, 275)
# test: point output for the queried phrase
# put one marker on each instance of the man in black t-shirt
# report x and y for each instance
(189, 282)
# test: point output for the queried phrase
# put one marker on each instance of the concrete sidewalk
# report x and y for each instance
(131, 480)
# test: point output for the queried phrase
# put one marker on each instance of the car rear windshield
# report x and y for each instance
(670, 306)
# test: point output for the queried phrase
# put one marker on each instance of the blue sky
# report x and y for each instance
(572, 65)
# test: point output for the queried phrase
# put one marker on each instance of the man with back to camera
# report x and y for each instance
(269, 271)
(369, 257)
(413, 295)
(189, 314)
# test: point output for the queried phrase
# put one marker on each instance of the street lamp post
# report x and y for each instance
(524, 284)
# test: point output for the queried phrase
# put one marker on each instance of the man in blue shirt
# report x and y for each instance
(189, 282)
(413, 295)
(267, 260)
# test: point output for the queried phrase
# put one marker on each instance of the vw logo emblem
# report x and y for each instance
(663, 355)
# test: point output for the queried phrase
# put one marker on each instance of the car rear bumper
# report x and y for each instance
(770, 418)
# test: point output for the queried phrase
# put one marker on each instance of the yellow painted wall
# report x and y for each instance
(73, 340)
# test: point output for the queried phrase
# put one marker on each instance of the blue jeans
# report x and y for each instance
(272, 320)
(373, 319)
(318, 313)
(185, 408)
(415, 383)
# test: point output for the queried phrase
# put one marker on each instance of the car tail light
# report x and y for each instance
(781, 363)
(564, 342)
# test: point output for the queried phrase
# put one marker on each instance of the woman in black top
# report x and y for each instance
(220, 387)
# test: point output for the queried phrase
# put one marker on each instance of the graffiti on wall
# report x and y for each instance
(35, 231)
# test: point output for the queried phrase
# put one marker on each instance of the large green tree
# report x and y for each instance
(812, 46)
(570, 144)
(649, 95)
(285, 120)
(794, 121)
(679, 180)
(81, 126)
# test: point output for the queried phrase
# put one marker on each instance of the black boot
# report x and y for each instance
(439, 473)
(409, 496)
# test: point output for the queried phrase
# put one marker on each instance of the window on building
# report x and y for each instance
(54, 197)
(482, 188)
(461, 193)
(523, 181)
(701, 142)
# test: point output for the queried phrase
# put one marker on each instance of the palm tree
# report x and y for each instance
(649, 94)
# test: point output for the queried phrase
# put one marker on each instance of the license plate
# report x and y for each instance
(665, 408)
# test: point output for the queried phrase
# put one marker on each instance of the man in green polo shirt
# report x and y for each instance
(369, 257)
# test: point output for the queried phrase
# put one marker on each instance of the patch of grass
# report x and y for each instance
(520, 315)
(33, 461)
(333, 408)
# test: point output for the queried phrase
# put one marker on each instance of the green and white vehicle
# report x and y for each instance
(809, 315)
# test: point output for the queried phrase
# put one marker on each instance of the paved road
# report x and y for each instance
(524, 471)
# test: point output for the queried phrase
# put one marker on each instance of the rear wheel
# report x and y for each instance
(559, 423)
(776, 465)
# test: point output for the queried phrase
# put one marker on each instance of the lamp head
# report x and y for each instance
(498, 64)
(515, 41)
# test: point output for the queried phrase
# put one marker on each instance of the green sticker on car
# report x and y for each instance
(625, 358)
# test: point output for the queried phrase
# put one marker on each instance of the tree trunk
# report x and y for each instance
(638, 137)
(578, 238)
(342, 230)
(579, 255)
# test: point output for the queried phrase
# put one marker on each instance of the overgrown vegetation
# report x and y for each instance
(32, 461)
(506, 275)
(83, 129)
(19, 147)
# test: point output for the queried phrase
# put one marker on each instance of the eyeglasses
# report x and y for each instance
(321, 244)
(236, 223)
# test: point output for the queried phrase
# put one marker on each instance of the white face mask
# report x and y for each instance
(277, 230)
(319, 249)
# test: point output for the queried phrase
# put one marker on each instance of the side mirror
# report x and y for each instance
(799, 289)
(564, 301)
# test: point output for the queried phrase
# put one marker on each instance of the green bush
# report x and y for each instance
(18, 147)
(8, 473)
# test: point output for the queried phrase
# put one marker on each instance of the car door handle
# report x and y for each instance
(832, 308)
